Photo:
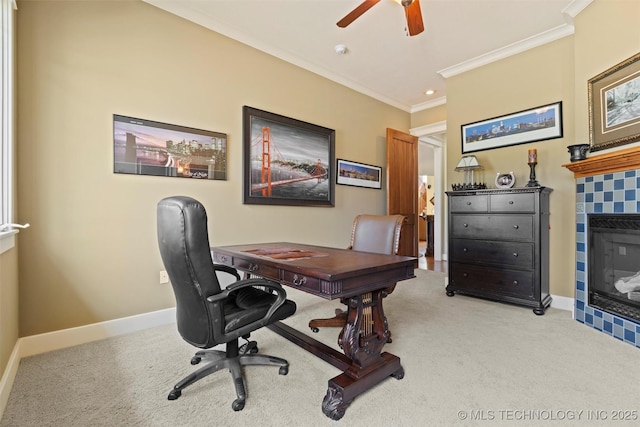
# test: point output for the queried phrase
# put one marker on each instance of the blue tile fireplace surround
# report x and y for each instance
(606, 184)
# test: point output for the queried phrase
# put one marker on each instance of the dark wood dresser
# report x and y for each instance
(499, 245)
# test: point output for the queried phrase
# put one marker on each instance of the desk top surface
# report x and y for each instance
(318, 261)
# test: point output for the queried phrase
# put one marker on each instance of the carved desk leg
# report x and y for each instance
(362, 340)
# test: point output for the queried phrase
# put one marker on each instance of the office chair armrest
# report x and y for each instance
(281, 294)
(226, 269)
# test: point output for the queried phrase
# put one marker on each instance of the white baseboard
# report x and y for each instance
(42, 343)
(562, 303)
(6, 383)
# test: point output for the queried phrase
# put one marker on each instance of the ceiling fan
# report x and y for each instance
(411, 9)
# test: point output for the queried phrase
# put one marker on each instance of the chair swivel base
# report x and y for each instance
(337, 321)
(217, 360)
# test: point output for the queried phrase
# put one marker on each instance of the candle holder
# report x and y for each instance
(532, 176)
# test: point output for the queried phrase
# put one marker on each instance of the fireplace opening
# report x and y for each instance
(614, 263)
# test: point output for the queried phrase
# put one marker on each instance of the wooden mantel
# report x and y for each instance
(616, 161)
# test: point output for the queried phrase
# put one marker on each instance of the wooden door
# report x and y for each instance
(402, 187)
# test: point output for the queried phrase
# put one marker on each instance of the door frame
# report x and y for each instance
(432, 135)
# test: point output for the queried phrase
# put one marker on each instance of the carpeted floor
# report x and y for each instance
(467, 361)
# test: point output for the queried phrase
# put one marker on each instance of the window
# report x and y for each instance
(7, 8)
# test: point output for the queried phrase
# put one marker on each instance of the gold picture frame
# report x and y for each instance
(614, 105)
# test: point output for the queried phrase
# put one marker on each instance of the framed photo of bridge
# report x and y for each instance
(286, 161)
(359, 174)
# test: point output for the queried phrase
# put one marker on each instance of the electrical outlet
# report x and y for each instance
(164, 277)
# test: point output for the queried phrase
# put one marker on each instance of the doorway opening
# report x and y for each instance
(431, 158)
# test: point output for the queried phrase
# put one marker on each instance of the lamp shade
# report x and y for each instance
(468, 163)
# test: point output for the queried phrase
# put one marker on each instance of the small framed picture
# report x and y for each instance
(359, 174)
(505, 180)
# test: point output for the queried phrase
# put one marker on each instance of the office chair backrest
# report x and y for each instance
(376, 233)
(184, 246)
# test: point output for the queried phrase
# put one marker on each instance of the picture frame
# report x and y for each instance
(147, 147)
(522, 127)
(358, 174)
(614, 105)
(286, 161)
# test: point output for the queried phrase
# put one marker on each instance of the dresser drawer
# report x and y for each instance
(513, 202)
(469, 204)
(493, 227)
(508, 254)
(491, 280)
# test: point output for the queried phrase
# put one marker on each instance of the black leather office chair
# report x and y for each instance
(370, 233)
(206, 314)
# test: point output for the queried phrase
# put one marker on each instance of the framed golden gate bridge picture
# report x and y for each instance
(287, 161)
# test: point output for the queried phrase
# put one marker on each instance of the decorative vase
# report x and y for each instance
(578, 151)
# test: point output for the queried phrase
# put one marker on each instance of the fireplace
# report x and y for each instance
(607, 188)
(614, 263)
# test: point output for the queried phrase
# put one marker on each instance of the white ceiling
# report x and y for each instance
(381, 60)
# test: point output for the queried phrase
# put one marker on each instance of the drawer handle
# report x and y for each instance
(465, 274)
(468, 203)
(301, 282)
(515, 254)
(465, 250)
(515, 283)
(253, 267)
(516, 226)
(465, 225)
(510, 202)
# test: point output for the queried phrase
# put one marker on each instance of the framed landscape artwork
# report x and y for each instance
(359, 174)
(614, 105)
(146, 147)
(287, 161)
(535, 124)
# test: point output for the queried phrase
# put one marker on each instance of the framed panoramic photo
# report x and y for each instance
(535, 124)
(287, 161)
(359, 174)
(146, 147)
(614, 105)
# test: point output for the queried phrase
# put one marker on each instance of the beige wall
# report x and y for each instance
(8, 305)
(606, 33)
(428, 116)
(537, 77)
(91, 254)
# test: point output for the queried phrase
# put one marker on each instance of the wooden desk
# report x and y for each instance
(360, 279)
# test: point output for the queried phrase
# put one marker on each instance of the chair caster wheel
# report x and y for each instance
(174, 394)
(195, 360)
(284, 370)
(315, 330)
(237, 405)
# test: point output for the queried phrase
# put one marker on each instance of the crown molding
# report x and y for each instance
(509, 50)
(561, 31)
(429, 104)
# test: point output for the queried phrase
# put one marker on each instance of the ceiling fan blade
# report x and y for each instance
(414, 18)
(355, 13)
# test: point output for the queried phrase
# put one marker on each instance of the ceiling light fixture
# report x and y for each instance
(430, 92)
